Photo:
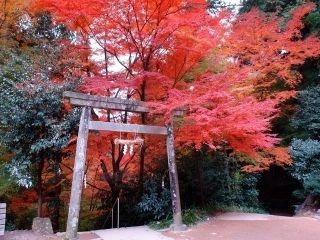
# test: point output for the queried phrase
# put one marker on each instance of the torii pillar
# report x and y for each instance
(78, 175)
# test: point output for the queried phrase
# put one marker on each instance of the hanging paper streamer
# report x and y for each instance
(125, 149)
(128, 145)
(131, 149)
(136, 141)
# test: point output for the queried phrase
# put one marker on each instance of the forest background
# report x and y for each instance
(248, 77)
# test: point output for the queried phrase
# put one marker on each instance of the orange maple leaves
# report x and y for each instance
(157, 43)
(273, 49)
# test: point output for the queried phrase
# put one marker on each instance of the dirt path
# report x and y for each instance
(229, 226)
(29, 235)
(239, 226)
(131, 233)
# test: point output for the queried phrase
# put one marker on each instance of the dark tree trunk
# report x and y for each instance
(114, 181)
(55, 217)
(141, 171)
(106, 61)
(199, 167)
(115, 193)
(143, 148)
(39, 188)
(55, 213)
(308, 203)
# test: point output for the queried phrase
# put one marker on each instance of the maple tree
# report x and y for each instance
(142, 36)
(153, 42)
(157, 43)
(274, 51)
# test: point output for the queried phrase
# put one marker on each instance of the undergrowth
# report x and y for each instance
(193, 216)
(189, 217)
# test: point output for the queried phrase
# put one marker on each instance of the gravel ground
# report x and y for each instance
(229, 226)
(29, 235)
(239, 226)
(131, 233)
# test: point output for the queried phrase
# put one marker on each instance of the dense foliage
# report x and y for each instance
(305, 149)
(279, 6)
(36, 127)
(241, 79)
(155, 201)
(215, 179)
(306, 164)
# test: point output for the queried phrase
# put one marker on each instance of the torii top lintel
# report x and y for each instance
(86, 100)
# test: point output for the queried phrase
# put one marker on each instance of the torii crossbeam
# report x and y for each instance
(87, 102)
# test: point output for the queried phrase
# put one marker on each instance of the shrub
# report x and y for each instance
(156, 201)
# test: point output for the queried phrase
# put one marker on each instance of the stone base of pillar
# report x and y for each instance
(42, 225)
(178, 228)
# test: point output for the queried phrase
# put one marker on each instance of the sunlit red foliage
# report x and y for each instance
(165, 36)
(10, 7)
(10, 12)
(274, 49)
(23, 202)
(217, 114)
(157, 43)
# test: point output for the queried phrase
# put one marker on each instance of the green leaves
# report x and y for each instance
(33, 75)
(7, 183)
(280, 6)
(313, 21)
(307, 117)
(155, 201)
(35, 124)
(306, 166)
(306, 152)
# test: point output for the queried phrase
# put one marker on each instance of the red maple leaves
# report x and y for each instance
(273, 49)
(239, 75)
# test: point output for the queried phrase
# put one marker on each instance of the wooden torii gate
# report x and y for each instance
(87, 102)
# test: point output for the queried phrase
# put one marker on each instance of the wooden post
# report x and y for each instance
(78, 175)
(118, 219)
(174, 183)
(3, 207)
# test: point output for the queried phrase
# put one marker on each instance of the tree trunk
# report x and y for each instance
(114, 181)
(117, 185)
(55, 214)
(143, 148)
(200, 178)
(141, 171)
(106, 61)
(39, 188)
(308, 202)
(115, 193)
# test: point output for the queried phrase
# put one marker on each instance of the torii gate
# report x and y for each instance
(90, 101)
